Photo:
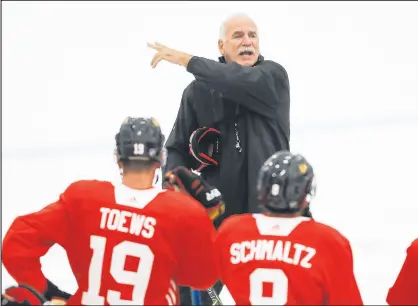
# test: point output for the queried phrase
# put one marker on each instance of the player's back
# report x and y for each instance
(283, 261)
(125, 246)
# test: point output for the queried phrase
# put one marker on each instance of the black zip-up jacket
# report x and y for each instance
(250, 106)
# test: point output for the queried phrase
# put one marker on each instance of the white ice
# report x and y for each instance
(73, 70)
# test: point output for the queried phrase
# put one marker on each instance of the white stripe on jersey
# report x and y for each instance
(171, 297)
(172, 291)
(168, 300)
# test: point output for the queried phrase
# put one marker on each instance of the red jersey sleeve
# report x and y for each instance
(196, 250)
(405, 289)
(30, 237)
(342, 288)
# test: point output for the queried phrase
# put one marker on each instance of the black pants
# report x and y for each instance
(186, 297)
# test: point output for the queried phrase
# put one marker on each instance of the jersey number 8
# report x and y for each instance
(280, 284)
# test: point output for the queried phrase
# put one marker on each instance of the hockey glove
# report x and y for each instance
(22, 295)
(184, 180)
(26, 295)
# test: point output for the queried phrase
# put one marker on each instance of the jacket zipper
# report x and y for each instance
(238, 141)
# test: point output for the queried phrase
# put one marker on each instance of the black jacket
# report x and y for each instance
(251, 101)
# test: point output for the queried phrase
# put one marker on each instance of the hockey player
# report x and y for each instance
(279, 257)
(405, 289)
(127, 244)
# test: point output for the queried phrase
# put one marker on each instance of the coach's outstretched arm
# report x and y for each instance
(256, 87)
(260, 88)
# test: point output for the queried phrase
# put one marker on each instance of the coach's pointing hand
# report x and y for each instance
(170, 55)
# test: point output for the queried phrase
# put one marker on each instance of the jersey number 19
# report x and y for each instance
(138, 279)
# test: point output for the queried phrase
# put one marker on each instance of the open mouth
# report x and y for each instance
(248, 53)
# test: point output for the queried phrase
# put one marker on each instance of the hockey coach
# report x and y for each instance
(241, 105)
(232, 117)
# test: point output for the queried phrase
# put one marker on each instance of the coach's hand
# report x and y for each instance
(184, 180)
(169, 55)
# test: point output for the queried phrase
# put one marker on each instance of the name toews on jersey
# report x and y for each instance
(127, 222)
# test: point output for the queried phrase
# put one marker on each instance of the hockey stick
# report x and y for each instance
(216, 300)
(196, 294)
(196, 297)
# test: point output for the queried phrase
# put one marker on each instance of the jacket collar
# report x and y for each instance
(259, 60)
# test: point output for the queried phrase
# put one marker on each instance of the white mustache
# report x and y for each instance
(248, 49)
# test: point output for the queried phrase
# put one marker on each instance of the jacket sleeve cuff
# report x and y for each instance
(193, 65)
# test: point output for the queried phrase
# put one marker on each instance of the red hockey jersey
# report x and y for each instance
(267, 260)
(124, 246)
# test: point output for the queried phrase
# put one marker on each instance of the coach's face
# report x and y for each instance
(240, 42)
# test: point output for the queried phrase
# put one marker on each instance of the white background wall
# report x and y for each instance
(73, 70)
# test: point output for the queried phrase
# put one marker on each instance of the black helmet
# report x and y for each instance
(285, 183)
(140, 139)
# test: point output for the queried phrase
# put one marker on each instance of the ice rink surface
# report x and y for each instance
(73, 71)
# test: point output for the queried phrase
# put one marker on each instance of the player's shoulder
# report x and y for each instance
(88, 185)
(182, 203)
(328, 234)
(237, 221)
(413, 248)
(235, 228)
(183, 211)
(87, 188)
(234, 219)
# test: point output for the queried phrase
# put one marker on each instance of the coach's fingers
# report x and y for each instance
(161, 45)
(156, 59)
(155, 46)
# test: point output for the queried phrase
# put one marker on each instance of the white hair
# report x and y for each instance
(222, 29)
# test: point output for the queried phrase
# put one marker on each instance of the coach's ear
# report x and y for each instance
(221, 47)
